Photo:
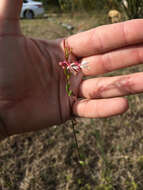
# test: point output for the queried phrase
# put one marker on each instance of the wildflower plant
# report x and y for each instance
(71, 68)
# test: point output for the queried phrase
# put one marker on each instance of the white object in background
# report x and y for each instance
(31, 9)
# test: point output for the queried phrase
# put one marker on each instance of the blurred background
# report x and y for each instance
(111, 148)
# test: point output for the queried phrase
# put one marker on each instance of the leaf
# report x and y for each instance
(70, 93)
(67, 87)
(82, 163)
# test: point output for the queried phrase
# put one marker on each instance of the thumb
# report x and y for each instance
(9, 16)
(10, 9)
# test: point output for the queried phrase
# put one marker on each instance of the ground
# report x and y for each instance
(111, 149)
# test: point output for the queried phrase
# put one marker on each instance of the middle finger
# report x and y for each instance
(113, 60)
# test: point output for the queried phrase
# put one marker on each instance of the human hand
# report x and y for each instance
(32, 85)
(105, 49)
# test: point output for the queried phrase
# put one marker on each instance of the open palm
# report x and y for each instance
(32, 85)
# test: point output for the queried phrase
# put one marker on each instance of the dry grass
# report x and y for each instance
(112, 149)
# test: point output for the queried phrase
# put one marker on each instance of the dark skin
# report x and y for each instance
(32, 84)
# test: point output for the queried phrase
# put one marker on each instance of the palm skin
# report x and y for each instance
(32, 84)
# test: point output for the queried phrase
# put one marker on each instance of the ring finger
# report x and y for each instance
(109, 87)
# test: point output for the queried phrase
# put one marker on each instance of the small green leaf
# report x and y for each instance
(82, 163)
(67, 87)
(70, 93)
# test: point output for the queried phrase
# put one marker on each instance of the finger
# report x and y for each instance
(9, 17)
(100, 108)
(105, 38)
(10, 9)
(107, 87)
(113, 60)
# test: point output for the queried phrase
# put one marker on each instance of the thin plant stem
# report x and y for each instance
(71, 68)
(76, 141)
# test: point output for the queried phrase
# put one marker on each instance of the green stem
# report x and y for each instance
(68, 90)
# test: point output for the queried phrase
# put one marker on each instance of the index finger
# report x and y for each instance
(106, 38)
